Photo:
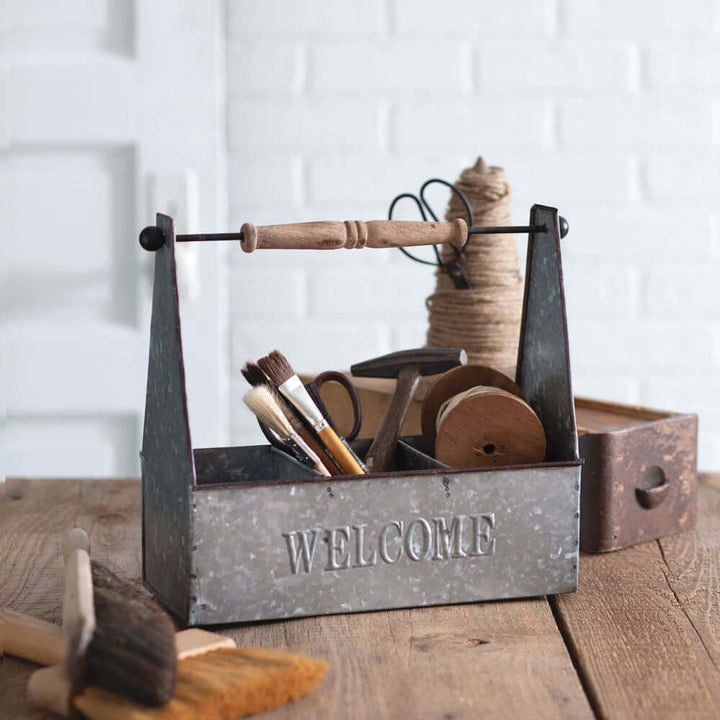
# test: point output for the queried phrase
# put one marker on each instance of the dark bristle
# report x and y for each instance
(132, 651)
(276, 367)
(254, 375)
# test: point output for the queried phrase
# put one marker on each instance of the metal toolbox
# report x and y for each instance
(246, 533)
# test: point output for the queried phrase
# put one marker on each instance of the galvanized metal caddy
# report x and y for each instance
(243, 534)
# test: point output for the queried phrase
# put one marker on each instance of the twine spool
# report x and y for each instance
(485, 321)
(486, 426)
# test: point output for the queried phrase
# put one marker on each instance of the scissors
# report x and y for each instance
(313, 389)
(455, 268)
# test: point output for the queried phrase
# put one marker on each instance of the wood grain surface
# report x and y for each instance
(644, 624)
(641, 637)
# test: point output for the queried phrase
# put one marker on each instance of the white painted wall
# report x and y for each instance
(110, 110)
(607, 109)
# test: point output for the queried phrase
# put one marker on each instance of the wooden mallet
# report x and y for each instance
(407, 366)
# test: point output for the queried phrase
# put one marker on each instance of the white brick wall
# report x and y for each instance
(607, 109)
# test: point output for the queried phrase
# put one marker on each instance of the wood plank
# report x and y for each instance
(494, 660)
(644, 624)
(693, 570)
(35, 515)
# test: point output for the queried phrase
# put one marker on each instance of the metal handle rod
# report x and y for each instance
(395, 234)
(506, 229)
(207, 237)
(475, 230)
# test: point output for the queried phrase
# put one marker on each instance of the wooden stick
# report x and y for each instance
(78, 608)
(330, 235)
(32, 639)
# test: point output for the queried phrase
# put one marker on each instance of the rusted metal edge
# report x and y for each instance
(389, 475)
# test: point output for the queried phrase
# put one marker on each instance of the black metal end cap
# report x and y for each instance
(564, 226)
(151, 238)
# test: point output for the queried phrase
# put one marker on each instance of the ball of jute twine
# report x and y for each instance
(485, 320)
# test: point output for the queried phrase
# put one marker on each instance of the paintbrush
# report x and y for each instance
(279, 370)
(113, 636)
(261, 401)
(216, 679)
(256, 377)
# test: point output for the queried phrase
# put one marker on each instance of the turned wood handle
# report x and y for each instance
(330, 235)
(78, 607)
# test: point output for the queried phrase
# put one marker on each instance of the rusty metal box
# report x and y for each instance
(243, 534)
(640, 473)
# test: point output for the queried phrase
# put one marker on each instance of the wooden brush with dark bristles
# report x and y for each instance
(279, 370)
(256, 377)
(261, 401)
(216, 680)
(114, 636)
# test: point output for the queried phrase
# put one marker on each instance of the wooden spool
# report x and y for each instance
(486, 426)
(484, 420)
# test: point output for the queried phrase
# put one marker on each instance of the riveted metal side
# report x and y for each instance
(166, 457)
(543, 368)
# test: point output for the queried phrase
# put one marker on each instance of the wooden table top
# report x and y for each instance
(640, 638)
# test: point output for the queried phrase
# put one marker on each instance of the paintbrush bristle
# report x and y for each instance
(293, 419)
(253, 374)
(263, 403)
(276, 367)
(224, 683)
(132, 651)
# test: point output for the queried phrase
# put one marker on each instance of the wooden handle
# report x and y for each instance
(330, 235)
(381, 451)
(194, 641)
(31, 639)
(41, 642)
(338, 450)
(78, 608)
(320, 450)
(50, 689)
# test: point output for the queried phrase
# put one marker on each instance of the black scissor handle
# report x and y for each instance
(344, 380)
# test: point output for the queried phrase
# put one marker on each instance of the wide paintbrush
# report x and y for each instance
(114, 637)
(216, 680)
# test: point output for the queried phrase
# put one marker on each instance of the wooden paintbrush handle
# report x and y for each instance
(26, 637)
(330, 235)
(31, 639)
(78, 608)
(50, 689)
(336, 448)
